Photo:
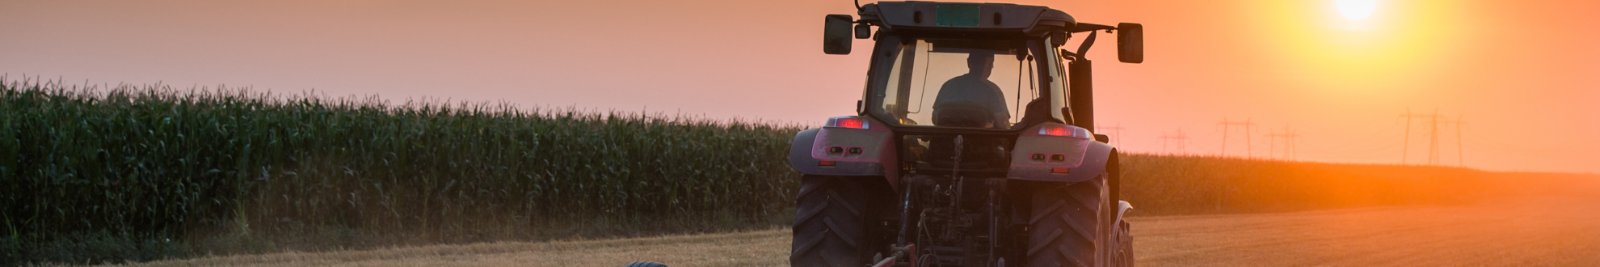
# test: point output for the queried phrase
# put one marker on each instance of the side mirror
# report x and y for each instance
(1130, 42)
(837, 34)
(1058, 38)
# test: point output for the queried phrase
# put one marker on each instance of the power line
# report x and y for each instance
(1434, 134)
(1294, 144)
(1460, 155)
(1116, 137)
(1407, 147)
(1247, 124)
(1272, 143)
(1206, 145)
(1288, 136)
(1180, 138)
(1433, 121)
(1365, 143)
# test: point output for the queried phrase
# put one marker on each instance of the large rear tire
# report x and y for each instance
(1066, 223)
(830, 222)
(645, 264)
(1124, 256)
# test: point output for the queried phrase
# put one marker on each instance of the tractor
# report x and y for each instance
(970, 145)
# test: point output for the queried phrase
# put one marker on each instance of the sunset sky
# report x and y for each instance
(1523, 75)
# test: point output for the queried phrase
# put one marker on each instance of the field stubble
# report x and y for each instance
(1526, 231)
(748, 248)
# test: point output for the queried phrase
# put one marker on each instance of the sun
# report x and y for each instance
(1356, 9)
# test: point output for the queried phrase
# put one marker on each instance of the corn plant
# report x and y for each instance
(157, 162)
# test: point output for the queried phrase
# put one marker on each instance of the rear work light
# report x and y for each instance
(848, 122)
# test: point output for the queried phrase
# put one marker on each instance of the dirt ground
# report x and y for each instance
(1526, 232)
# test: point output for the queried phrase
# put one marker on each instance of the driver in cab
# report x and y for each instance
(971, 100)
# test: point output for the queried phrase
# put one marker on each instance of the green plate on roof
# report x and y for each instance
(959, 15)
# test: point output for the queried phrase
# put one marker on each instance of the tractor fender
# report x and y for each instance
(1095, 157)
(1117, 226)
(800, 157)
(1123, 207)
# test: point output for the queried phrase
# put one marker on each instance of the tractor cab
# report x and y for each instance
(993, 57)
(982, 72)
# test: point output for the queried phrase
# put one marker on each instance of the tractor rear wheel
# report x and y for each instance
(1066, 224)
(645, 264)
(831, 222)
(1124, 256)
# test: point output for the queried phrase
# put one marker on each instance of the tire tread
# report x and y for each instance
(830, 222)
(1049, 244)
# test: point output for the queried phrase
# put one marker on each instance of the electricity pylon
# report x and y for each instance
(1433, 120)
(1460, 156)
(1289, 136)
(1180, 137)
(1247, 124)
(1116, 139)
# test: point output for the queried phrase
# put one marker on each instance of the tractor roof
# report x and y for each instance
(965, 17)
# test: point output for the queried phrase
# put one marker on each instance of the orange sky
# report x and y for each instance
(1521, 73)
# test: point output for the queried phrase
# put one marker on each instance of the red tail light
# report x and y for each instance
(1054, 130)
(848, 122)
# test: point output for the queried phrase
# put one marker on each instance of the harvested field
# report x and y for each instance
(757, 248)
(1541, 231)
(1524, 232)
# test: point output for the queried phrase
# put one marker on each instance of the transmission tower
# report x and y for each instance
(1294, 145)
(1406, 141)
(1433, 140)
(1181, 138)
(1164, 138)
(1288, 136)
(1272, 143)
(1117, 137)
(1433, 121)
(1460, 156)
(1247, 124)
(1183, 143)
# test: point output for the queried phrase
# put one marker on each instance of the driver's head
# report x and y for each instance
(980, 63)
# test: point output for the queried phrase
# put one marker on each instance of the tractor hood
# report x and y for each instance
(965, 17)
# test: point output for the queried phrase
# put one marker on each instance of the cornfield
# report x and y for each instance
(153, 163)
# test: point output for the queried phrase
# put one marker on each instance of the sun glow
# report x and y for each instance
(1341, 54)
(1356, 9)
